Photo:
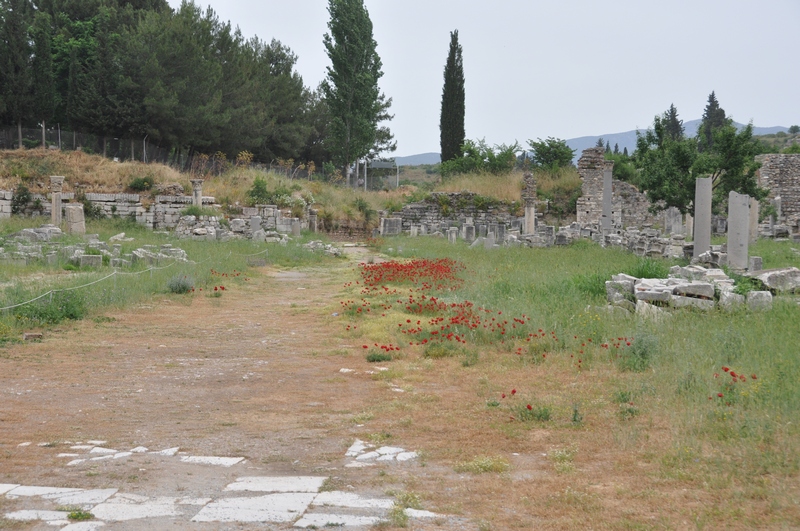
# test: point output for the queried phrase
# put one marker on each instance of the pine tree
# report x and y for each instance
(15, 62)
(616, 149)
(625, 151)
(600, 142)
(608, 146)
(451, 123)
(44, 90)
(713, 119)
(351, 89)
(673, 126)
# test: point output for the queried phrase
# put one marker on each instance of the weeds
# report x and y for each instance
(640, 355)
(180, 284)
(482, 465)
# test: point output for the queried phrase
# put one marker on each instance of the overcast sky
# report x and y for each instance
(562, 68)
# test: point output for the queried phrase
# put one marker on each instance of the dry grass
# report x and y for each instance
(502, 187)
(93, 173)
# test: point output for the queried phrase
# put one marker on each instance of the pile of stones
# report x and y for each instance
(687, 287)
(324, 247)
(212, 228)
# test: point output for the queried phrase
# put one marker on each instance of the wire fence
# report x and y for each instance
(142, 150)
(63, 290)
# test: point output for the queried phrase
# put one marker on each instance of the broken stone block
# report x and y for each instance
(678, 301)
(695, 289)
(238, 225)
(759, 300)
(648, 311)
(623, 276)
(785, 279)
(91, 260)
(617, 290)
(32, 336)
(729, 300)
(755, 264)
(653, 296)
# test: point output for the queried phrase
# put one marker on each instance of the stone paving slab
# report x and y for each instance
(282, 507)
(277, 484)
(325, 521)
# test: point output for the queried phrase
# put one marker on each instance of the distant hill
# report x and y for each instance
(628, 138)
(624, 140)
(417, 160)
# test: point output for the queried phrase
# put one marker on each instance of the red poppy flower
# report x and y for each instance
(720, 395)
(529, 407)
(513, 391)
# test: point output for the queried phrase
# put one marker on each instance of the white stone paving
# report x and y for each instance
(277, 484)
(318, 520)
(282, 499)
(282, 507)
(211, 460)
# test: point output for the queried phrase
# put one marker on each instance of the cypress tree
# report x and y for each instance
(713, 119)
(451, 122)
(673, 126)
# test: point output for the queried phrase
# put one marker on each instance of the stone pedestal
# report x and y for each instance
(76, 223)
(295, 228)
(530, 219)
(702, 216)
(738, 230)
(197, 192)
(56, 186)
(452, 235)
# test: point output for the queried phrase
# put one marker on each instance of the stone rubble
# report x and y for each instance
(692, 286)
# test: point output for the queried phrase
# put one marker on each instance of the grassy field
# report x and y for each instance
(648, 409)
(210, 265)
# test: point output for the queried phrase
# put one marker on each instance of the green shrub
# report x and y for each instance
(649, 268)
(375, 356)
(180, 284)
(62, 306)
(20, 200)
(141, 184)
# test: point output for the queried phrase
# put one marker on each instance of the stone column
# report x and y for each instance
(738, 230)
(702, 216)
(197, 192)
(689, 226)
(529, 200)
(753, 220)
(608, 190)
(56, 186)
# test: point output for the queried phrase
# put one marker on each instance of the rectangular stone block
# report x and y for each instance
(91, 260)
(738, 230)
(683, 302)
(702, 215)
(391, 226)
(695, 289)
(654, 296)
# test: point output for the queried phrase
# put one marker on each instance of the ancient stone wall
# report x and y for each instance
(630, 207)
(442, 210)
(780, 173)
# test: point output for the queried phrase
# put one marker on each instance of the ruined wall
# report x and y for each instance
(780, 173)
(450, 209)
(629, 207)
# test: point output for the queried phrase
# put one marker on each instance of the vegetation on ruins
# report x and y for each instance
(451, 122)
(551, 153)
(669, 163)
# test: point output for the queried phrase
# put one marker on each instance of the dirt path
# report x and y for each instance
(253, 374)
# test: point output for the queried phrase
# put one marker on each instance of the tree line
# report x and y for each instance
(184, 79)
